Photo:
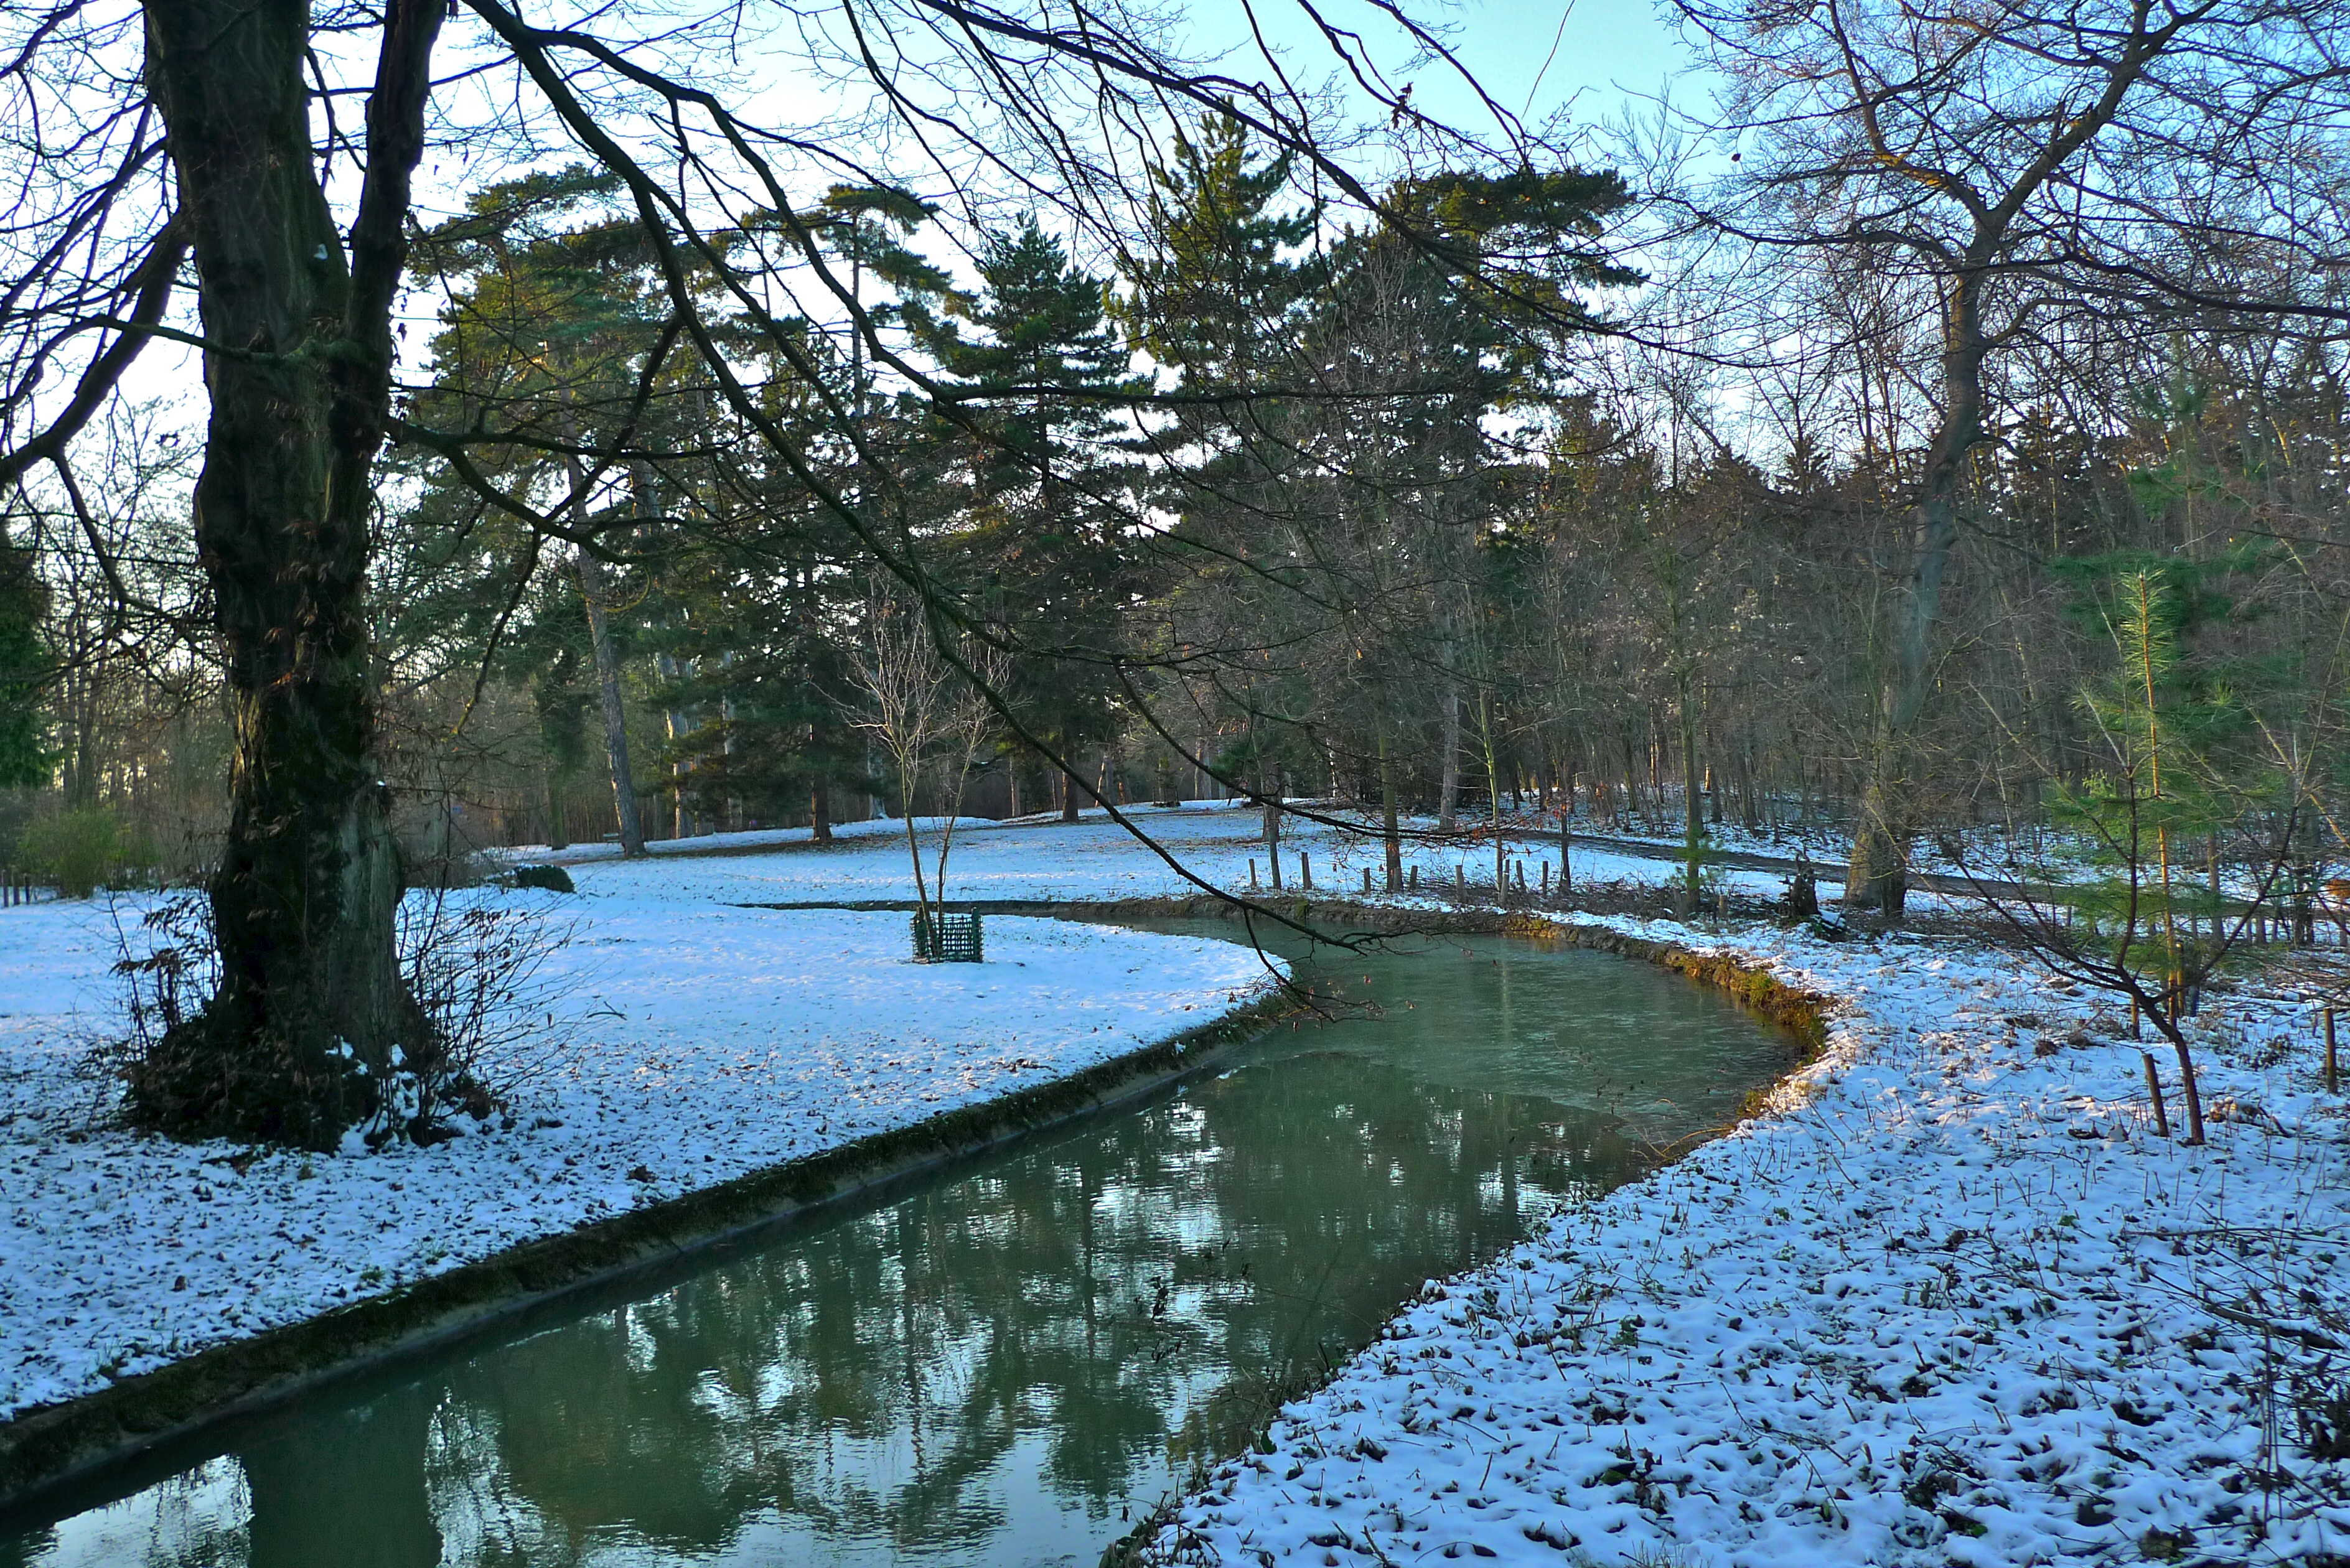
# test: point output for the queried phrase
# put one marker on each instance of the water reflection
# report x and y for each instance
(1001, 1368)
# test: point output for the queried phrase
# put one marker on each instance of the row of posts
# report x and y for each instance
(18, 887)
(1460, 875)
(2331, 1071)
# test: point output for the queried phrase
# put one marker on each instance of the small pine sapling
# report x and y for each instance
(2125, 916)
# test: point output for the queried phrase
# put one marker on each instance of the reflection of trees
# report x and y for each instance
(603, 1422)
(346, 1488)
(1138, 1293)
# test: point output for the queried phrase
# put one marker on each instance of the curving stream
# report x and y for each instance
(1003, 1361)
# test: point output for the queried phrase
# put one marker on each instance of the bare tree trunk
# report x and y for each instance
(676, 723)
(1270, 790)
(1693, 805)
(1878, 876)
(312, 1000)
(558, 832)
(608, 664)
(1493, 793)
(1448, 796)
(1389, 834)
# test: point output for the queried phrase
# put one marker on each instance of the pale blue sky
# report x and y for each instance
(1530, 55)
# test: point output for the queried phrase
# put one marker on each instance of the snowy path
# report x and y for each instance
(1953, 1302)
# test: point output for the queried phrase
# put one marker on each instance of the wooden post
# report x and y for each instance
(2154, 1092)
(1304, 871)
(1460, 878)
(1367, 878)
(1251, 873)
(1545, 878)
(2133, 1030)
(2333, 1068)
(1413, 879)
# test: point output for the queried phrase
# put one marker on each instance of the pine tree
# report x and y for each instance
(1041, 543)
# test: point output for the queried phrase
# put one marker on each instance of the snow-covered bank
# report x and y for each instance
(711, 1041)
(1950, 1302)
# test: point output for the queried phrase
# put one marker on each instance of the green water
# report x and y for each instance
(1003, 1364)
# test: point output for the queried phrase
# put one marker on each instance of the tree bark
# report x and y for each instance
(608, 663)
(1389, 834)
(1448, 793)
(299, 380)
(1877, 875)
(1272, 791)
(1693, 805)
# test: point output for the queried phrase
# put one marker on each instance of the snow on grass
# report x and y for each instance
(1035, 859)
(710, 1042)
(735, 843)
(1951, 1301)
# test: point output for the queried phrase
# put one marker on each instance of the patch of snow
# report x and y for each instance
(708, 1042)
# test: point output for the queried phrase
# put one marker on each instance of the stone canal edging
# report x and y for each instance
(50, 1448)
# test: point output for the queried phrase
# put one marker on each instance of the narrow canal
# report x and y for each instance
(1006, 1363)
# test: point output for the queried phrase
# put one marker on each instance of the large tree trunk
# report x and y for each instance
(1877, 875)
(309, 880)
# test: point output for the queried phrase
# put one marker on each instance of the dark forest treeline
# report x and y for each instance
(1439, 567)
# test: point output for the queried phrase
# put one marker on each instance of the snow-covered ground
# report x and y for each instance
(704, 1042)
(1950, 1302)
(1091, 859)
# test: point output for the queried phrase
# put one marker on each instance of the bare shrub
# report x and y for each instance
(475, 965)
(478, 968)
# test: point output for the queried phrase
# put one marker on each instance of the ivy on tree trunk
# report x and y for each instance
(312, 1002)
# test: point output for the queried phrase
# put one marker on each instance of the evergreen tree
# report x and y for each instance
(1216, 300)
(545, 346)
(1041, 547)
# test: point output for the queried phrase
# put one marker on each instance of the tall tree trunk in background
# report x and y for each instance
(309, 878)
(1877, 877)
(608, 663)
(1070, 804)
(1388, 833)
(558, 832)
(1448, 788)
(677, 723)
(1493, 793)
(1270, 790)
(1692, 803)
